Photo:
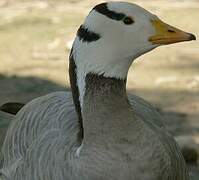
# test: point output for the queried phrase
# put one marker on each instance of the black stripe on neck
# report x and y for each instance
(75, 93)
(86, 35)
(103, 9)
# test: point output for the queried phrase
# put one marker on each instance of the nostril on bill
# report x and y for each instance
(171, 31)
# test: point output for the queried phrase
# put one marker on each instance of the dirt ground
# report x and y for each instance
(34, 40)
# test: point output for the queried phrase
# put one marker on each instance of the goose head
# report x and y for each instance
(115, 33)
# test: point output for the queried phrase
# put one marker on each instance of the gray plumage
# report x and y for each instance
(41, 142)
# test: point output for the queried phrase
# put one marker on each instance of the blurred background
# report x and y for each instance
(35, 41)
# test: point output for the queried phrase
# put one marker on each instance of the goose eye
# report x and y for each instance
(128, 20)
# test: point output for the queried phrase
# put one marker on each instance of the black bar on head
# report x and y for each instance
(103, 9)
(86, 35)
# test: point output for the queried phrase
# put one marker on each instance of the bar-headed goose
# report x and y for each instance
(99, 136)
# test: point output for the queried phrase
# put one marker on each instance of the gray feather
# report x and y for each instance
(42, 140)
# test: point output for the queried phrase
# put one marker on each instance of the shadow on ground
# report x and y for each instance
(23, 89)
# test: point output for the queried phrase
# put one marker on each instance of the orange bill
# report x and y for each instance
(166, 34)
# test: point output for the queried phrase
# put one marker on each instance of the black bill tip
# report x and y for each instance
(192, 37)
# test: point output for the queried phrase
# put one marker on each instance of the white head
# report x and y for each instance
(114, 34)
(119, 43)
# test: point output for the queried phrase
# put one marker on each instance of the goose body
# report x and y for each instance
(98, 132)
(53, 154)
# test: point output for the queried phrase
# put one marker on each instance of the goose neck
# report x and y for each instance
(106, 111)
(101, 104)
